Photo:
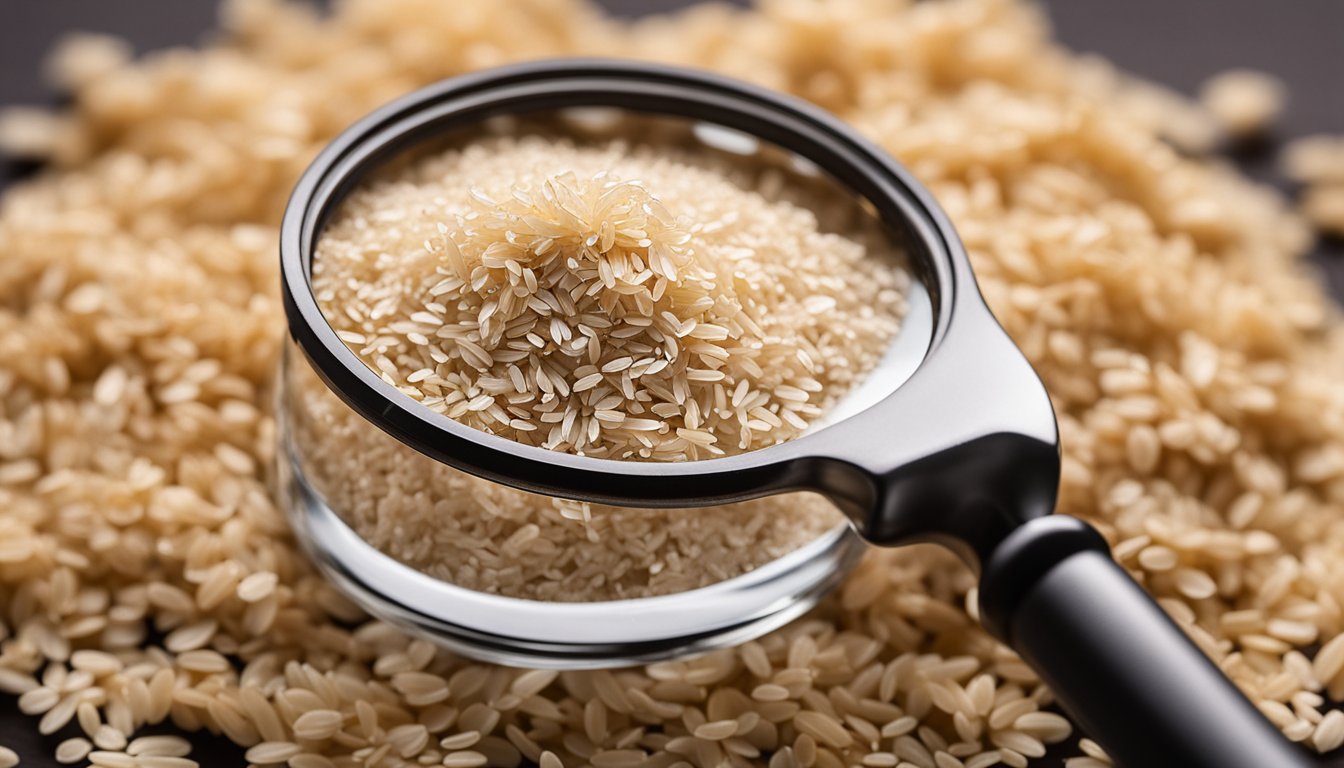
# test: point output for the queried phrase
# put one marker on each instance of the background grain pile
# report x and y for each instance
(1191, 362)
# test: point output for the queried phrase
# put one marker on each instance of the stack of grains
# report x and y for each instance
(146, 574)
(669, 319)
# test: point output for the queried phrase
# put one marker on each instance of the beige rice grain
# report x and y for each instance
(165, 746)
(318, 724)
(55, 718)
(1329, 732)
(1245, 102)
(109, 738)
(89, 719)
(112, 759)
(272, 752)
(203, 661)
(73, 750)
(257, 586)
(311, 760)
(165, 761)
(460, 741)
(1323, 205)
(191, 637)
(464, 759)
(1314, 159)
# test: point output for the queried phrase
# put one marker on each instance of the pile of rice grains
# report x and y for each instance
(530, 288)
(147, 575)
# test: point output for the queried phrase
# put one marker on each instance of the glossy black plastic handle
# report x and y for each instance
(1117, 663)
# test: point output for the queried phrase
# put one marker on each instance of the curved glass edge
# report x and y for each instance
(536, 633)
(529, 633)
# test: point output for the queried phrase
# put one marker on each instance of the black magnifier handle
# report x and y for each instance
(1117, 663)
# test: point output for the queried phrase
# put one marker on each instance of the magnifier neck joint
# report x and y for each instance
(970, 497)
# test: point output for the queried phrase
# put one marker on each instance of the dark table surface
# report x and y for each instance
(1177, 42)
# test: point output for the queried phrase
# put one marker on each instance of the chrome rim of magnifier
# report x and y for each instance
(570, 635)
(530, 633)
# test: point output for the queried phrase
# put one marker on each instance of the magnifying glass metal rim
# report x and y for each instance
(566, 635)
(790, 123)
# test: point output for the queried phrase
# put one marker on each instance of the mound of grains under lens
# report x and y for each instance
(544, 292)
(604, 301)
(1194, 366)
(492, 538)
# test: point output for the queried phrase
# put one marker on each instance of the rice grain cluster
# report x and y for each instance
(492, 538)
(612, 302)
(146, 575)
(540, 291)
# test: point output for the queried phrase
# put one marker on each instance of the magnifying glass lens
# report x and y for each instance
(610, 285)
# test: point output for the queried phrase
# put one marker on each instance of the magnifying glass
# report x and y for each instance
(951, 440)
